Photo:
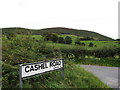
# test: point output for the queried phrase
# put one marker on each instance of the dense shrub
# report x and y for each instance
(54, 38)
(91, 44)
(50, 37)
(83, 44)
(10, 35)
(61, 40)
(10, 76)
(77, 41)
(25, 49)
(68, 40)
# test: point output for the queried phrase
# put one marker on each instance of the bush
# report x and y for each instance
(50, 37)
(77, 41)
(68, 40)
(24, 49)
(83, 44)
(11, 35)
(47, 36)
(10, 75)
(54, 38)
(61, 40)
(91, 44)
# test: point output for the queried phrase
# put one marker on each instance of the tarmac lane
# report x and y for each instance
(108, 75)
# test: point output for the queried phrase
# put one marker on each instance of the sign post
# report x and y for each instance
(32, 69)
(62, 74)
(20, 77)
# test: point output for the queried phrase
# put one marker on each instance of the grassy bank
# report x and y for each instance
(90, 60)
(74, 77)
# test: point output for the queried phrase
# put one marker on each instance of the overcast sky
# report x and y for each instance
(94, 15)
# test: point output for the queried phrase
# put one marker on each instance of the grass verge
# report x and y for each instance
(74, 77)
(112, 62)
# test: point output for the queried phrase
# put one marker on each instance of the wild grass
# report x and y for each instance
(25, 49)
(91, 60)
(74, 77)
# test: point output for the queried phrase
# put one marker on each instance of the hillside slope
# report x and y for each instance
(59, 30)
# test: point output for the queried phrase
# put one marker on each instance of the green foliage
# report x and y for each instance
(10, 76)
(54, 38)
(50, 37)
(60, 30)
(25, 49)
(10, 35)
(91, 44)
(61, 40)
(83, 44)
(74, 77)
(86, 38)
(68, 40)
(112, 62)
(119, 42)
(47, 36)
(77, 41)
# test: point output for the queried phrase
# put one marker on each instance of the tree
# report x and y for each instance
(91, 44)
(117, 39)
(68, 40)
(54, 37)
(50, 37)
(47, 36)
(77, 41)
(61, 40)
(83, 44)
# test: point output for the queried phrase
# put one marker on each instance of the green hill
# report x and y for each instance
(58, 30)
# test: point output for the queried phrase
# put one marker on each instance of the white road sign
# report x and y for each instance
(32, 69)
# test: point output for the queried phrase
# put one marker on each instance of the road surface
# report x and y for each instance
(108, 75)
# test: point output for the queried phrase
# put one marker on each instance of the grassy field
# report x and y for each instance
(99, 44)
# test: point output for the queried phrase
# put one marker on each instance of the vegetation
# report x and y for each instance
(50, 37)
(77, 41)
(78, 78)
(91, 60)
(61, 40)
(74, 46)
(82, 33)
(91, 44)
(87, 38)
(26, 49)
(68, 40)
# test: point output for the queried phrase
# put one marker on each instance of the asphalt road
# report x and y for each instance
(108, 75)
